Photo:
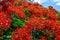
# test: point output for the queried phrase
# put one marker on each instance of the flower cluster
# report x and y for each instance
(22, 20)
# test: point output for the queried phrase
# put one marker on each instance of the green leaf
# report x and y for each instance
(51, 37)
(27, 12)
(58, 14)
(58, 21)
(16, 4)
(36, 33)
(8, 32)
(17, 22)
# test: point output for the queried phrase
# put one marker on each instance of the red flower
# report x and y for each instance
(20, 12)
(20, 34)
(43, 38)
(4, 21)
(57, 37)
(48, 34)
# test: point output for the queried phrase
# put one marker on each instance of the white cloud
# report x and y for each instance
(58, 4)
(40, 1)
(56, 0)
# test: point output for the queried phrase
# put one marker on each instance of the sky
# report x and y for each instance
(46, 3)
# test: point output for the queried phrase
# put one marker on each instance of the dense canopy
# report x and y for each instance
(22, 20)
